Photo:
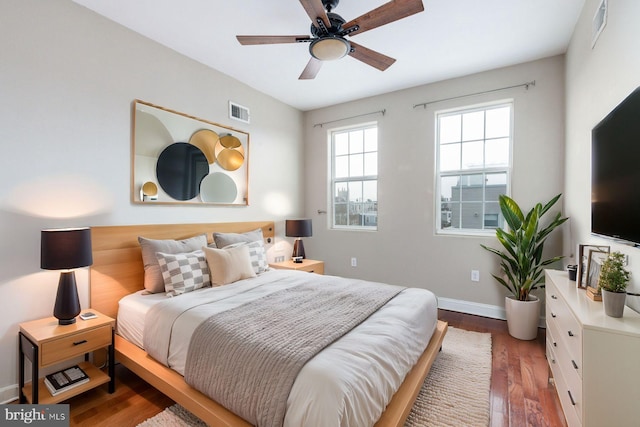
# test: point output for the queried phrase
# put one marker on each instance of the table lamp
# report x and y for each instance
(298, 228)
(66, 249)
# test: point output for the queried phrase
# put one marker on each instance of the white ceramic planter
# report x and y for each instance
(523, 317)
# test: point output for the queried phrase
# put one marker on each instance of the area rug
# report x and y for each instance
(455, 393)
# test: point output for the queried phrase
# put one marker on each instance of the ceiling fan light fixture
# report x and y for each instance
(329, 48)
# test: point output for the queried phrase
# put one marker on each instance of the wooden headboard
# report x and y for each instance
(117, 268)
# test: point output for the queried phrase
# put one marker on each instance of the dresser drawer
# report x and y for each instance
(552, 344)
(571, 404)
(570, 407)
(57, 350)
(563, 349)
(568, 330)
(571, 374)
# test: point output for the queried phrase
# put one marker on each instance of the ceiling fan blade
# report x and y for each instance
(388, 12)
(371, 57)
(315, 9)
(311, 70)
(249, 40)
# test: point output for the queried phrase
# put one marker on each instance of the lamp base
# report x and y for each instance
(298, 249)
(67, 305)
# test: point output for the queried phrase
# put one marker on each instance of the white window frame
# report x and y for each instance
(333, 180)
(472, 171)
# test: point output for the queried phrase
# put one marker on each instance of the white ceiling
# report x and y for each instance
(451, 38)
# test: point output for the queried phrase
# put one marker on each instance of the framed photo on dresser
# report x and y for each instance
(596, 258)
(583, 256)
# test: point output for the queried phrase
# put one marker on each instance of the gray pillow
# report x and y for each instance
(153, 281)
(226, 239)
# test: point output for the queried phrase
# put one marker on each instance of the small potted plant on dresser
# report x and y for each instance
(522, 264)
(613, 281)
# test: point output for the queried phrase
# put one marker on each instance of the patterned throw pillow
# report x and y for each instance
(184, 272)
(257, 254)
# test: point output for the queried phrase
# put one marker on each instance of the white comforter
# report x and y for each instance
(347, 384)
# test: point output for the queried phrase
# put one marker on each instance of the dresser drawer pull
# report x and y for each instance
(555, 344)
(553, 296)
(79, 342)
(570, 333)
(573, 362)
(553, 315)
(573, 402)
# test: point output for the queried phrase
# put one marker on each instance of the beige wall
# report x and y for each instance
(597, 80)
(405, 249)
(68, 78)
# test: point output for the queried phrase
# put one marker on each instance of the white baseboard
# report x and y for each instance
(478, 309)
(9, 394)
(468, 307)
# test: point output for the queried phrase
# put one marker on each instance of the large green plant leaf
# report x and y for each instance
(511, 212)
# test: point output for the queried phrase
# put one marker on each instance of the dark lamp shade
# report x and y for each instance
(65, 248)
(298, 228)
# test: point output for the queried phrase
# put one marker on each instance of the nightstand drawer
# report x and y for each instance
(317, 268)
(69, 346)
(309, 265)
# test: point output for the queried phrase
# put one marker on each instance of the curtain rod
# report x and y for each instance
(526, 85)
(352, 117)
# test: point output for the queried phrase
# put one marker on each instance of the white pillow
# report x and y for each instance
(257, 255)
(184, 272)
(228, 265)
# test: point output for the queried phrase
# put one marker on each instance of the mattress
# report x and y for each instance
(355, 376)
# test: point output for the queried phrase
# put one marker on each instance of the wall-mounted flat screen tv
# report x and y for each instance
(615, 172)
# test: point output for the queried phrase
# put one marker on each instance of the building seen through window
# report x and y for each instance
(473, 166)
(354, 176)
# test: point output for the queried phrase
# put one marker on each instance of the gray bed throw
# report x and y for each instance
(247, 358)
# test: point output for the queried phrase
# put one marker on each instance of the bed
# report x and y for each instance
(117, 273)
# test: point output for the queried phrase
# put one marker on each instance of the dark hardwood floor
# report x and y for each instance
(520, 391)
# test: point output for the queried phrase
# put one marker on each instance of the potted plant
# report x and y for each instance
(613, 281)
(522, 264)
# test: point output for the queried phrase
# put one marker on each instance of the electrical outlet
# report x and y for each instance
(354, 262)
(475, 275)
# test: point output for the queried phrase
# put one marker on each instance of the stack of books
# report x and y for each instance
(64, 380)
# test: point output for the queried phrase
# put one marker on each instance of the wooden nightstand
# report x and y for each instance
(310, 265)
(46, 343)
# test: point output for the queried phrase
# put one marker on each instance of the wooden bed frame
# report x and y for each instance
(117, 271)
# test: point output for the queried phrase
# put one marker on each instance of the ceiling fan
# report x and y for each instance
(329, 30)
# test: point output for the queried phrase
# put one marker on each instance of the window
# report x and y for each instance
(473, 162)
(354, 177)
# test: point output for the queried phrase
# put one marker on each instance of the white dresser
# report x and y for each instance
(595, 359)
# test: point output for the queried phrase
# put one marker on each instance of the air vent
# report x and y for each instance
(599, 21)
(238, 112)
